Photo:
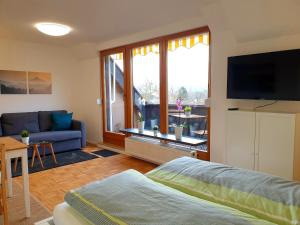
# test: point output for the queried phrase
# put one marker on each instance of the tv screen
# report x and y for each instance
(270, 76)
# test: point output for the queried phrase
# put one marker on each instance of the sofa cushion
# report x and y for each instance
(52, 136)
(14, 123)
(45, 119)
(61, 121)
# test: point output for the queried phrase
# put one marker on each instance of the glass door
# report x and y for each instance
(113, 85)
(188, 86)
(145, 80)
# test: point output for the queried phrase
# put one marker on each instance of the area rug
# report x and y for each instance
(105, 153)
(63, 159)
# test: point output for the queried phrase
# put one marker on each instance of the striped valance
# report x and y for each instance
(186, 42)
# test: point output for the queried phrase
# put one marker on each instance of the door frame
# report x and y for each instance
(163, 49)
(108, 136)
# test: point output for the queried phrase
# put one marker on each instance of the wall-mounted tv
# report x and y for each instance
(269, 76)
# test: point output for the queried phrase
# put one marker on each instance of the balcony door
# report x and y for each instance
(113, 92)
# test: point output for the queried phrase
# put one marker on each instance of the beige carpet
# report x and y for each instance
(17, 211)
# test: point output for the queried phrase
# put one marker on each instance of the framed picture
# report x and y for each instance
(13, 82)
(39, 83)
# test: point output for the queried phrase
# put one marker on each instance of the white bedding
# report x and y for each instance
(63, 214)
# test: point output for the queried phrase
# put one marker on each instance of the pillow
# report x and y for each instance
(45, 119)
(61, 121)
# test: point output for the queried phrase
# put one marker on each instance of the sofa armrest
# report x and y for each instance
(79, 125)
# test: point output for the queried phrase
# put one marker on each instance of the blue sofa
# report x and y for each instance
(39, 125)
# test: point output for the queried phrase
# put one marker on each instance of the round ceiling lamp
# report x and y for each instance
(53, 29)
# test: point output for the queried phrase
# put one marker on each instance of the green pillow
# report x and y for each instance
(61, 121)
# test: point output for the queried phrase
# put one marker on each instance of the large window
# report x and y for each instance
(156, 74)
(188, 61)
(145, 92)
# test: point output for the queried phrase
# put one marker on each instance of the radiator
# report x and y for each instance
(154, 151)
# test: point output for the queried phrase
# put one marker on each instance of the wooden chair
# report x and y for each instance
(3, 190)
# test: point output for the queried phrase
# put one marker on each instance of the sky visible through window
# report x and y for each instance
(187, 74)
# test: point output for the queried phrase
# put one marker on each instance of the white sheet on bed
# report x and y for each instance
(63, 214)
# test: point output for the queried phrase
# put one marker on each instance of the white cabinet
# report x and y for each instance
(265, 142)
(240, 139)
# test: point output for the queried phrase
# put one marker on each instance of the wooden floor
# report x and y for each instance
(50, 186)
(16, 208)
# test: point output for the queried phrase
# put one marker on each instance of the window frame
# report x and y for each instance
(163, 52)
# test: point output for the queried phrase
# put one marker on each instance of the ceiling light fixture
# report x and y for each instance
(53, 29)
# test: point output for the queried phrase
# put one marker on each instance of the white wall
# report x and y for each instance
(86, 91)
(22, 56)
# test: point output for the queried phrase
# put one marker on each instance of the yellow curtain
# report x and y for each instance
(118, 56)
(186, 42)
(145, 50)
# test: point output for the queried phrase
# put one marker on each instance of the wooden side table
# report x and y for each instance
(50, 147)
(36, 153)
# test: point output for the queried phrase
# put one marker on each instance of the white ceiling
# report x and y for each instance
(94, 21)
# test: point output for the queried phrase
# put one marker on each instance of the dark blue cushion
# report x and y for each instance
(61, 121)
(14, 123)
(52, 136)
(45, 119)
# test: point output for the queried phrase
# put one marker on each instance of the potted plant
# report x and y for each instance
(155, 130)
(141, 122)
(25, 137)
(179, 127)
(188, 110)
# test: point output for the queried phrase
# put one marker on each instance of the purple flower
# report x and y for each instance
(179, 104)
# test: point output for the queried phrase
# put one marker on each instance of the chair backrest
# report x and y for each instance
(3, 185)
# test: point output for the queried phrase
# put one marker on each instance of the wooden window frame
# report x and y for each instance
(163, 51)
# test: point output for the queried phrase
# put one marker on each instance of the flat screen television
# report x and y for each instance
(269, 76)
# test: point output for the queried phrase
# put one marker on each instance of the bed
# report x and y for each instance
(65, 214)
(159, 198)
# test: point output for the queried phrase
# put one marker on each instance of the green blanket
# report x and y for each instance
(269, 197)
(132, 198)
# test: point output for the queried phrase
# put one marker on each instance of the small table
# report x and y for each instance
(36, 153)
(16, 149)
(188, 118)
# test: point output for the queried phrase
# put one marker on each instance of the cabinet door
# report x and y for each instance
(240, 139)
(275, 143)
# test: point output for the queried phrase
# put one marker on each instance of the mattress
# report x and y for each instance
(63, 214)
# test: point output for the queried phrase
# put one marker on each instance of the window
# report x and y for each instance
(114, 91)
(145, 92)
(188, 61)
(156, 73)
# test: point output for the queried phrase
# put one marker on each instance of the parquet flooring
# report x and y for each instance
(50, 186)
(16, 210)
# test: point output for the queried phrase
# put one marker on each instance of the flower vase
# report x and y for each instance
(178, 133)
(188, 113)
(25, 140)
(141, 125)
